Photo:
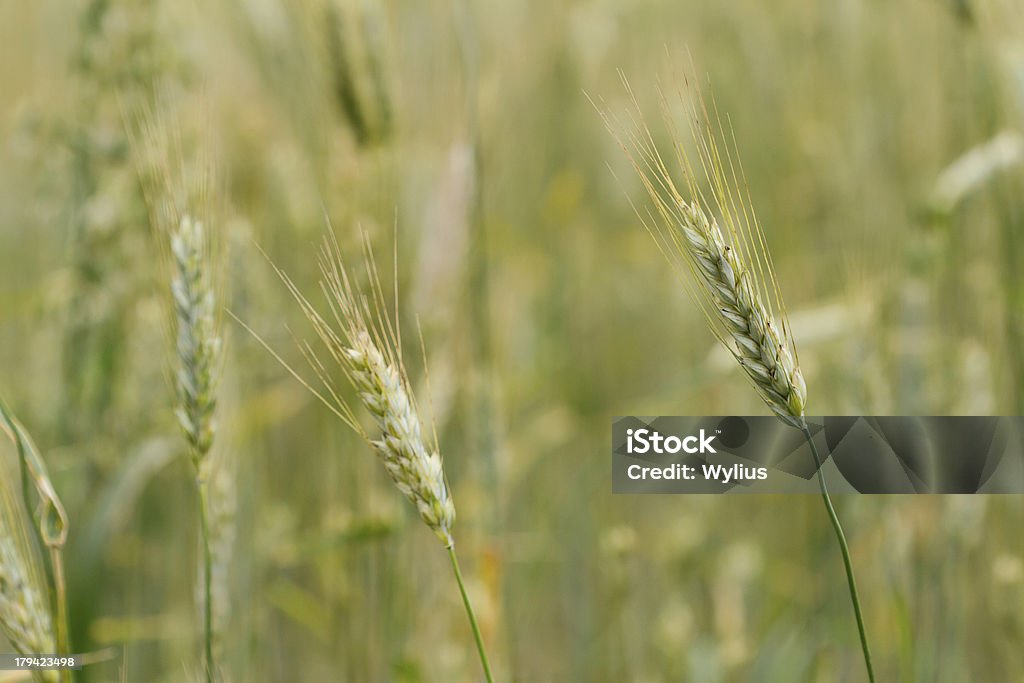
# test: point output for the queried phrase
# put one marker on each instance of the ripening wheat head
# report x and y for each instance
(198, 339)
(733, 276)
(364, 341)
(24, 608)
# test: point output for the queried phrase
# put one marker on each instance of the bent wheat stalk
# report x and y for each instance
(733, 276)
(365, 342)
(25, 618)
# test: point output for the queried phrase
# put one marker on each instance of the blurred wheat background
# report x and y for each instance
(884, 147)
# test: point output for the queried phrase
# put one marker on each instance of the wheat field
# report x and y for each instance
(218, 510)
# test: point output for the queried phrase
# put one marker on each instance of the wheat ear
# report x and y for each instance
(358, 67)
(364, 341)
(733, 275)
(24, 614)
(734, 278)
(758, 346)
(198, 345)
(763, 355)
(415, 469)
(366, 344)
(198, 342)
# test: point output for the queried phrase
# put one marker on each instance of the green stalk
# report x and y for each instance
(481, 344)
(472, 617)
(207, 582)
(841, 537)
(60, 609)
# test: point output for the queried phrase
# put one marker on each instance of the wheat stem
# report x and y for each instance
(207, 583)
(472, 616)
(847, 562)
(60, 609)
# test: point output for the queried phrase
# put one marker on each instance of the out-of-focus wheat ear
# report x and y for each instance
(197, 336)
(198, 347)
(26, 617)
(357, 63)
